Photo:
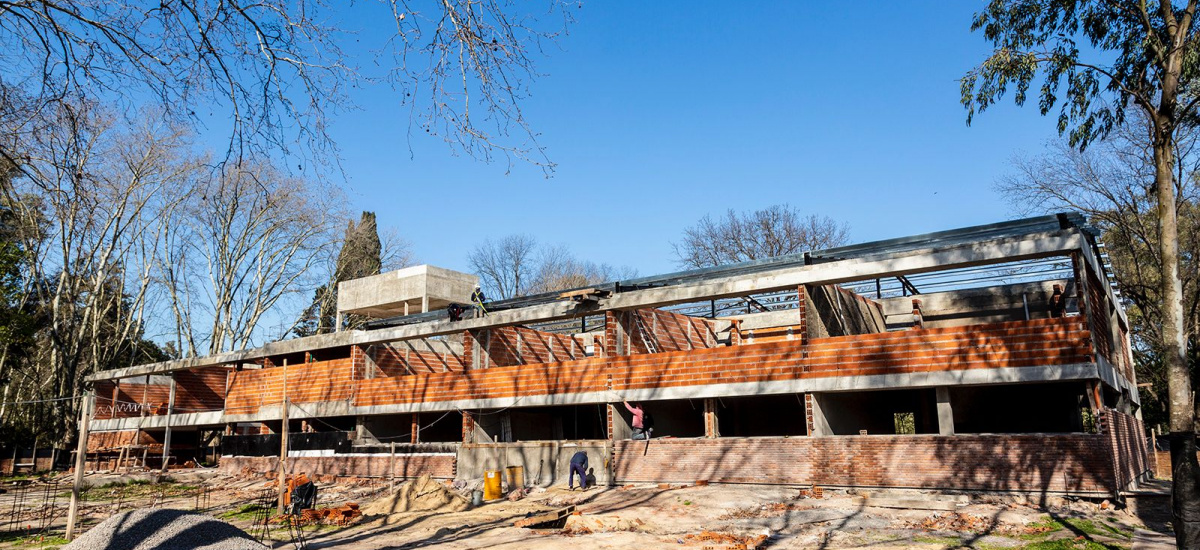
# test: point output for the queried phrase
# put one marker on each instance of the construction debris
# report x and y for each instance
(954, 521)
(341, 515)
(774, 509)
(730, 540)
(554, 519)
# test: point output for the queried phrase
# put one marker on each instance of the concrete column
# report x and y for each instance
(618, 428)
(361, 431)
(711, 429)
(820, 423)
(945, 412)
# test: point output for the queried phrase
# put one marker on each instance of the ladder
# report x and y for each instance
(651, 343)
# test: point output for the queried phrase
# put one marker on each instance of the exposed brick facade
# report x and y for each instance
(400, 360)
(107, 441)
(510, 346)
(1077, 463)
(440, 465)
(1014, 344)
(1129, 454)
(309, 383)
(196, 390)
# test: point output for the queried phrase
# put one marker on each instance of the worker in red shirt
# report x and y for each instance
(643, 424)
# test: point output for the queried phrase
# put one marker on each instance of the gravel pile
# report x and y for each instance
(163, 529)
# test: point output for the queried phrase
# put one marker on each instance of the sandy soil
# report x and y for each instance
(642, 516)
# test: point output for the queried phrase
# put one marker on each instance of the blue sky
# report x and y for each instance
(658, 113)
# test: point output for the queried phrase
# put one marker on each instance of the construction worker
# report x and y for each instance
(579, 465)
(478, 298)
(642, 424)
(455, 312)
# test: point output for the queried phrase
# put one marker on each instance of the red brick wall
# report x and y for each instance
(1130, 456)
(309, 383)
(1014, 344)
(196, 390)
(399, 360)
(509, 346)
(103, 441)
(667, 331)
(1035, 463)
(326, 468)
(43, 462)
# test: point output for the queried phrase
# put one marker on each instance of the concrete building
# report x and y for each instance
(991, 358)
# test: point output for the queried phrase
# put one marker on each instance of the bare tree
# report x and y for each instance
(251, 239)
(518, 265)
(506, 266)
(739, 237)
(275, 68)
(92, 211)
(559, 269)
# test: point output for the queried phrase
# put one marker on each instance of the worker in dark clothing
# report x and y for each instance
(478, 298)
(455, 311)
(579, 464)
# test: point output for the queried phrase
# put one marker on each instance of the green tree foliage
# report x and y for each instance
(1111, 183)
(1096, 61)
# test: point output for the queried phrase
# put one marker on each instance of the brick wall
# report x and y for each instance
(1013, 344)
(1028, 463)
(43, 462)
(196, 390)
(509, 346)
(400, 360)
(325, 469)
(314, 382)
(1129, 454)
(662, 331)
(105, 441)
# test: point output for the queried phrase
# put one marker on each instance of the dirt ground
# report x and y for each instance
(713, 517)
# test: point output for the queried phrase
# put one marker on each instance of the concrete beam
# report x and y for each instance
(970, 377)
(1036, 245)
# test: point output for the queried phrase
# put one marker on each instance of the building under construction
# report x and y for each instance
(991, 358)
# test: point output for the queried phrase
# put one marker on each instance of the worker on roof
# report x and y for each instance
(579, 464)
(478, 298)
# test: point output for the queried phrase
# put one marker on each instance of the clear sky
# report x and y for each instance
(660, 112)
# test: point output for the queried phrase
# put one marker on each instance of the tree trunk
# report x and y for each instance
(1185, 472)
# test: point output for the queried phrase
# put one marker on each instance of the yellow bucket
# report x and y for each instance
(491, 485)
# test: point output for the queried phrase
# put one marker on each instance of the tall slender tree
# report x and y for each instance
(361, 255)
(1135, 55)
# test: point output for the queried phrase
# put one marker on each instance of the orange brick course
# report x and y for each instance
(1041, 342)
